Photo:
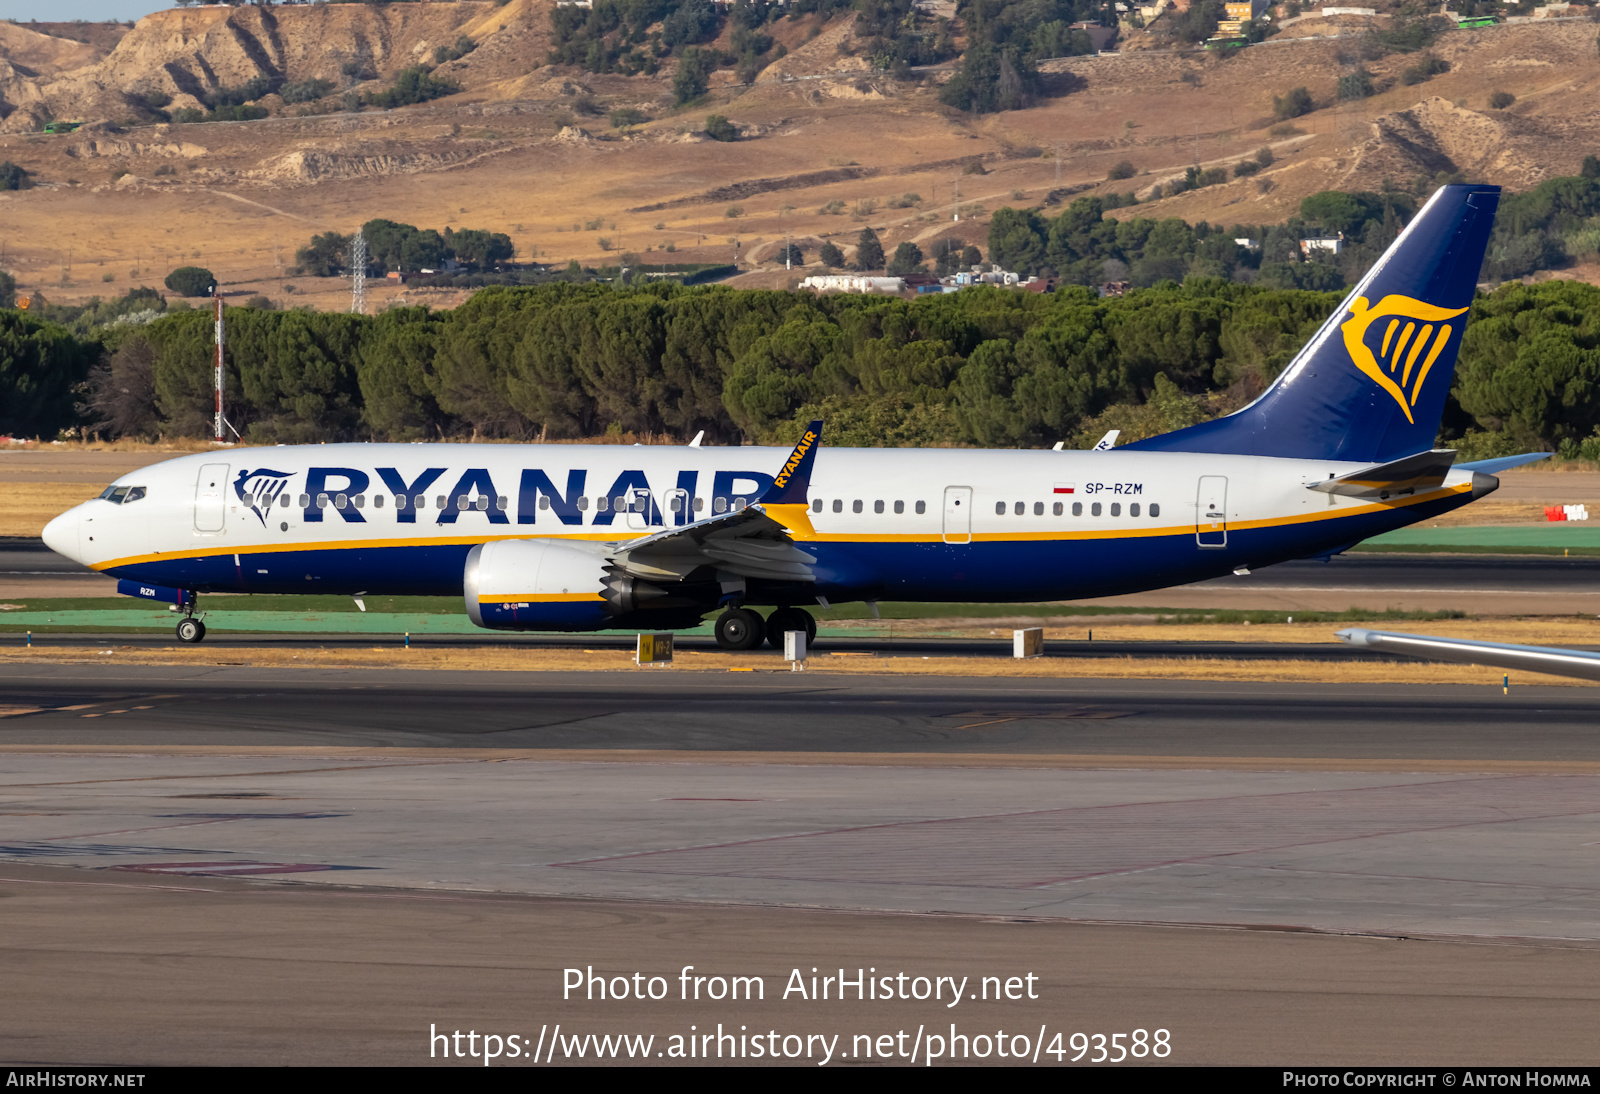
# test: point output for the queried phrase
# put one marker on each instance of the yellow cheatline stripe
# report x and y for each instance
(541, 598)
(817, 537)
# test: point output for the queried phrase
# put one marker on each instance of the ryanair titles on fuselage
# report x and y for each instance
(439, 495)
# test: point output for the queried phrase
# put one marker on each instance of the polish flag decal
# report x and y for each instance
(1066, 488)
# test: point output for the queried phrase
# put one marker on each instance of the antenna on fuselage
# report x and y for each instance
(698, 437)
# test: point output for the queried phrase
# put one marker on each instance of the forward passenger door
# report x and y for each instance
(210, 500)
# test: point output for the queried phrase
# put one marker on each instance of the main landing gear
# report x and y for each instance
(741, 629)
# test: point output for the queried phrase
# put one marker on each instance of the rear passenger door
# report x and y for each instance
(1211, 512)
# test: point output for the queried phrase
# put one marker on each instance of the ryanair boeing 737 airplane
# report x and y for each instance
(579, 537)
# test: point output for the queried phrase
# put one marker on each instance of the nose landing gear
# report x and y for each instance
(190, 628)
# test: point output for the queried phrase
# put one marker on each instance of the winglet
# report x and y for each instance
(794, 480)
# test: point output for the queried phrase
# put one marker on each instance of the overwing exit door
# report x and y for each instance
(1211, 512)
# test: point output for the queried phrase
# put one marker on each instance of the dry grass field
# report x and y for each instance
(524, 660)
(515, 152)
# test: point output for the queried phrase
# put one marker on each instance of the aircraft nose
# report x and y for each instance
(61, 534)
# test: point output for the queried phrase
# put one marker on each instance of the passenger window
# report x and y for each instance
(284, 499)
(838, 505)
(502, 503)
(719, 505)
(483, 503)
(1056, 509)
(419, 502)
(377, 501)
(922, 507)
(1038, 508)
(816, 505)
(463, 503)
(400, 501)
(1094, 510)
(1116, 508)
(305, 501)
(877, 507)
(1021, 508)
(1077, 508)
(1133, 510)
(999, 508)
(544, 501)
(322, 501)
(361, 501)
(699, 504)
(677, 503)
(341, 501)
(899, 507)
(602, 504)
(441, 502)
(134, 494)
(619, 504)
(1155, 509)
(583, 504)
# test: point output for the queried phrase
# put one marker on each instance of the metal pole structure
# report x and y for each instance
(358, 274)
(220, 420)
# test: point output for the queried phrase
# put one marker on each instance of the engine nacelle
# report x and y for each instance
(536, 585)
(545, 585)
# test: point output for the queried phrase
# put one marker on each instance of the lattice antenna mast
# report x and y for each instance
(358, 274)
(218, 383)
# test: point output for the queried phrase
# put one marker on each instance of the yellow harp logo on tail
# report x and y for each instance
(1412, 340)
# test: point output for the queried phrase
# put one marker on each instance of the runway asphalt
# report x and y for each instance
(224, 707)
(227, 864)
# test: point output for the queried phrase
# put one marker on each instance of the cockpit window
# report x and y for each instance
(121, 495)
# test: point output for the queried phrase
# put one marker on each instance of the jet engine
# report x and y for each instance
(545, 585)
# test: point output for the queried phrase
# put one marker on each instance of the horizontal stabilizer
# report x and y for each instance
(1557, 662)
(1504, 463)
(1424, 471)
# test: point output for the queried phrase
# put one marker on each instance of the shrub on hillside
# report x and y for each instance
(411, 85)
(13, 177)
(1430, 66)
(1123, 170)
(304, 91)
(1295, 103)
(719, 128)
(1501, 99)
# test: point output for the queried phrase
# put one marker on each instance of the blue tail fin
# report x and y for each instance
(1370, 387)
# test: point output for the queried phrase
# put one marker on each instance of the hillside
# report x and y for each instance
(827, 145)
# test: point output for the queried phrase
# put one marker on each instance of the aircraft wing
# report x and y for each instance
(1547, 659)
(756, 541)
(1423, 471)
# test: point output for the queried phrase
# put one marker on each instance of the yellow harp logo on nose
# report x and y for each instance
(1395, 367)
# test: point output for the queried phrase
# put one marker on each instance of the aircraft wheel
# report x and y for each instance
(790, 619)
(191, 630)
(739, 629)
